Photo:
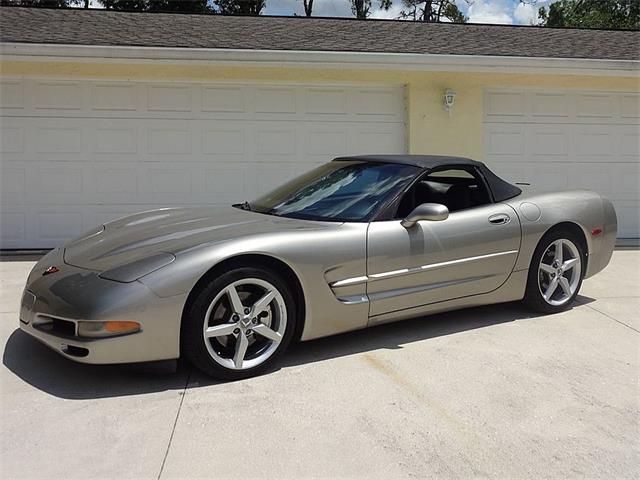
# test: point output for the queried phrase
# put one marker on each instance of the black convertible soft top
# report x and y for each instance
(501, 189)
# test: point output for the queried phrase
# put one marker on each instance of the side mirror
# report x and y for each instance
(433, 212)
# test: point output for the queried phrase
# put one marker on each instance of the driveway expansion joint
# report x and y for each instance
(175, 422)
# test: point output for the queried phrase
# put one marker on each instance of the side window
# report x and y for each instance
(456, 188)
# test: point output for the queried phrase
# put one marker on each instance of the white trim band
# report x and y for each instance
(316, 59)
(408, 271)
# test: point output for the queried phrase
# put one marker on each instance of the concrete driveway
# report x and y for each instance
(489, 392)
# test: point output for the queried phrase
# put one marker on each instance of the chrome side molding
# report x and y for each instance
(411, 270)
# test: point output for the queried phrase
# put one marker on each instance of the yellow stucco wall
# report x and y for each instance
(429, 128)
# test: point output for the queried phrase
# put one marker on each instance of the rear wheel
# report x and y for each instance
(556, 272)
(239, 323)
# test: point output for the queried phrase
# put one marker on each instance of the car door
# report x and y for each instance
(472, 252)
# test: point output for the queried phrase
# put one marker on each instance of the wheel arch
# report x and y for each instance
(253, 260)
(577, 230)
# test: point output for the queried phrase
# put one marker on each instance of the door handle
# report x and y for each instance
(499, 219)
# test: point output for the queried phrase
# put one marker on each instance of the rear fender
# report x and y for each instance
(587, 210)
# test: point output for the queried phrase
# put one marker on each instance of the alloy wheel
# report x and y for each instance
(559, 272)
(245, 323)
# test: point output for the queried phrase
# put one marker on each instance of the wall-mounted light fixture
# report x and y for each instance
(449, 98)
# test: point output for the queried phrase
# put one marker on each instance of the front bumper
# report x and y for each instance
(74, 294)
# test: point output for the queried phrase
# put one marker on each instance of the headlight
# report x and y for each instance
(131, 272)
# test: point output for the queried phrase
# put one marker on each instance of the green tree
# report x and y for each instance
(361, 8)
(432, 11)
(139, 5)
(610, 14)
(38, 3)
(185, 6)
(240, 7)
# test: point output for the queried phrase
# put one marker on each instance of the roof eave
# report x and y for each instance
(317, 59)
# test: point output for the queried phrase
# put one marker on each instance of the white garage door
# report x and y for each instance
(76, 154)
(559, 140)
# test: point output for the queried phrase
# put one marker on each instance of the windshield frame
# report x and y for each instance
(413, 173)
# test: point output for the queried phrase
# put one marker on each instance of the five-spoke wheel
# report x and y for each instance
(245, 317)
(245, 323)
(556, 272)
(559, 272)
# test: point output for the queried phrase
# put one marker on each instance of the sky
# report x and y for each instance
(509, 12)
(478, 11)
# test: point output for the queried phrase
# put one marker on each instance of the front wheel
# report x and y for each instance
(555, 273)
(238, 323)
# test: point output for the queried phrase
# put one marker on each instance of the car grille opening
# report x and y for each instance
(75, 351)
(55, 326)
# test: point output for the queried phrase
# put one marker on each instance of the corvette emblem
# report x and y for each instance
(50, 270)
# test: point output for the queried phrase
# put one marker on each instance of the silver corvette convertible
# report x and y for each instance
(356, 242)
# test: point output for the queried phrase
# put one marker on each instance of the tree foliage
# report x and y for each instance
(362, 8)
(185, 6)
(432, 11)
(38, 3)
(139, 5)
(610, 14)
(240, 7)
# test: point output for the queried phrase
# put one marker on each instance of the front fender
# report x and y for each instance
(317, 257)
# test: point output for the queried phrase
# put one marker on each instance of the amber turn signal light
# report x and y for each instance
(107, 329)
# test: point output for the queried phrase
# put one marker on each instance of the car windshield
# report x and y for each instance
(339, 191)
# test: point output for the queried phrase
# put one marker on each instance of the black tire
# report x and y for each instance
(193, 345)
(533, 297)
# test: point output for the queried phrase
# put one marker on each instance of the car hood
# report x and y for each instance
(170, 230)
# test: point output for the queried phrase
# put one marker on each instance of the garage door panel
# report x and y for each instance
(115, 97)
(262, 179)
(277, 139)
(505, 104)
(169, 98)
(275, 100)
(324, 140)
(505, 139)
(223, 140)
(78, 153)
(224, 99)
(551, 105)
(595, 141)
(327, 101)
(13, 181)
(11, 138)
(11, 95)
(595, 105)
(57, 226)
(549, 140)
(551, 176)
(382, 103)
(115, 141)
(630, 106)
(628, 218)
(169, 141)
(13, 227)
(114, 183)
(58, 96)
(568, 140)
(385, 138)
(58, 140)
(629, 143)
(222, 183)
